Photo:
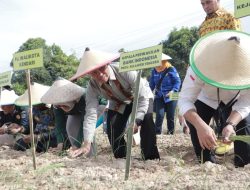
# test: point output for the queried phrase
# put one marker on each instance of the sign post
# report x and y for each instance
(5, 79)
(241, 8)
(25, 61)
(137, 60)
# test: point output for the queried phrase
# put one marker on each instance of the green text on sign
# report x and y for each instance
(141, 59)
(5, 78)
(241, 8)
(28, 59)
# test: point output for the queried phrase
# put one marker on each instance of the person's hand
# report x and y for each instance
(227, 132)
(14, 128)
(56, 149)
(136, 129)
(207, 137)
(27, 139)
(2, 130)
(169, 93)
(186, 130)
(183, 123)
(84, 150)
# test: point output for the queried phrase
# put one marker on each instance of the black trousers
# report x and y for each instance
(41, 146)
(116, 125)
(241, 149)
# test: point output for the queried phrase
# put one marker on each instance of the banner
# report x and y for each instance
(141, 59)
(5, 78)
(241, 8)
(28, 59)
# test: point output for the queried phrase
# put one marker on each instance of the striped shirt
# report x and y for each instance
(219, 20)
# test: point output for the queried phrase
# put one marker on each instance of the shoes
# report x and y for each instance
(223, 148)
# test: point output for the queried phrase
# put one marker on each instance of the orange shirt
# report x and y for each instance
(220, 20)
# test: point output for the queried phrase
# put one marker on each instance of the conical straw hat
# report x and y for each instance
(92, 60)
(62, 91)
(164, 65)
(165, 57)
(222, 59)
(37, 91)
(8, 97)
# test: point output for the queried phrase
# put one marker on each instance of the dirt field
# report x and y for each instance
(177, 169)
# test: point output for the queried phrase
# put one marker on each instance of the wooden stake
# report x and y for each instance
(33, 147)
(131, 126)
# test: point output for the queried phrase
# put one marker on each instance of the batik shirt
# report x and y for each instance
(44, 122)
(219, 20)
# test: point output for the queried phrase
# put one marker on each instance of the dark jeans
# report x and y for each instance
(241, 149)
(41, 146)
(116, 124)
(160, 108)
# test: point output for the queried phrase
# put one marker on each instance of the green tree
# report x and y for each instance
(178, 46)
(56, 63)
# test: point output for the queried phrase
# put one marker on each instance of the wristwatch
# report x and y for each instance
(231, 123)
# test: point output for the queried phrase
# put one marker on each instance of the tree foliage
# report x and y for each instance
(178, 46)
(56, 64)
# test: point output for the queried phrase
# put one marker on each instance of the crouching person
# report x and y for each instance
(118, 88)
(69, 98)
(44, 130)
(12, 119)
(217, 85)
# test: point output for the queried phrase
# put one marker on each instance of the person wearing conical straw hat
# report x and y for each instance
(37, 91)
(118, 88)
(165, 80)
(43, 121)
(68, 100)
(217, 85)
(11, 118)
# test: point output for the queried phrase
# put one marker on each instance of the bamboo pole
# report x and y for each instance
(131, 126)
(33, 148)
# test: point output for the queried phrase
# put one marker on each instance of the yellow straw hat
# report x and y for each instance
(222, 59)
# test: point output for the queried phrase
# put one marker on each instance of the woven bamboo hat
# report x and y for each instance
(165, 57)
(62, 91)
(8, 97)
(222, 59)
(163, 65)
(92, 60)
(37, 91)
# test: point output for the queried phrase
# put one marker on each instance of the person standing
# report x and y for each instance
(217, 18)
(165, 80)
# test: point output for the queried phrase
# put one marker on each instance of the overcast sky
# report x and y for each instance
(107, 25)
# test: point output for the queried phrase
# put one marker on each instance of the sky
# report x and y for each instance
(101, 25)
